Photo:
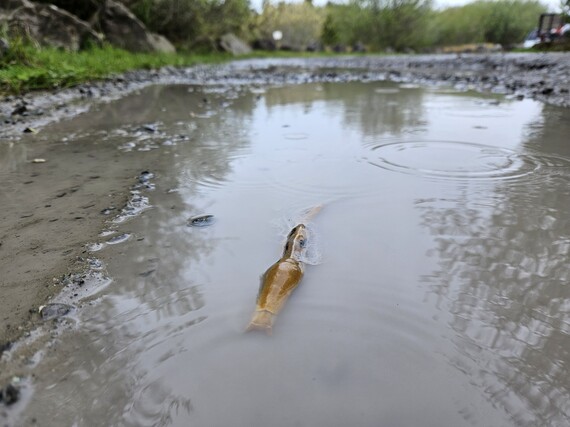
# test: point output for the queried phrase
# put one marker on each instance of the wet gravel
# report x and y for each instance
(542, 76)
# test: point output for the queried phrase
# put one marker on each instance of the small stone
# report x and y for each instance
(201, 220)
(54, 310)
(39, 160)
(5, 346)
(9, 394)
(150, 128)
(147, 273)
(19, 110)
(145, 177)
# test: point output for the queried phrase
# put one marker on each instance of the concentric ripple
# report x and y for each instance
(460, 160)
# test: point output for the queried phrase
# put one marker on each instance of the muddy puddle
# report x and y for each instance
(436, 293)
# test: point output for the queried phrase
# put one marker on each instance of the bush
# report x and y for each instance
(380, 24)
(300, 23)
(505, 22)
(193, 23)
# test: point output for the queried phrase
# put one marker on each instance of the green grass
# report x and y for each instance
(28, 68)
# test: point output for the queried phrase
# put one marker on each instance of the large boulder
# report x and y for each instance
(48, 25)
(160, 43)
(123, 29)
(234, 45)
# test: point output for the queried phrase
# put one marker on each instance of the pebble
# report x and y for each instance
(54, 310)
(9, 394)
(201, 220)
(151, 127)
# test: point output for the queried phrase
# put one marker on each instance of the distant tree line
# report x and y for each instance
(415, 24)
(397, 25)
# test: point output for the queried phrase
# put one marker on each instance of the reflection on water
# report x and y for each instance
(503, 276)
(440, 299)
(373, 112)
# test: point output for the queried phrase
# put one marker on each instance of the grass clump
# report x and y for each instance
(25, 67)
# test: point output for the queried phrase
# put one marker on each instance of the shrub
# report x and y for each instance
(505, 22)
(380, 24)
(193, 23)
(300, 23)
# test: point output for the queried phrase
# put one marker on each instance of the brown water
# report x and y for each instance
(437, 293)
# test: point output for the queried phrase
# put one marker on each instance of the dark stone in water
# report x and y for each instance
(54, 310)
(95, 264)
(5, 346)
(150, 128)
(147, 273)
(9, 395)
(119, 239)
(201, 220)
(20, 110)
(145, 177)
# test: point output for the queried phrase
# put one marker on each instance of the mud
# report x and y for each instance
(50, 211)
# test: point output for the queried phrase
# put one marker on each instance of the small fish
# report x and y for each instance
(279, 281)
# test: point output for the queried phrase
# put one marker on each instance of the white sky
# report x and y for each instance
(553, 5)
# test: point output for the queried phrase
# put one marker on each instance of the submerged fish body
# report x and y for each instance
(279, 281)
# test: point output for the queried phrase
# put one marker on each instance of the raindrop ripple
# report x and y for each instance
(456, 160)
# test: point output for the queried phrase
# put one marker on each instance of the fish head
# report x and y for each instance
(296, 241)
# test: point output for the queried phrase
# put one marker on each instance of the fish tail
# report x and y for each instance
(262, 320)
(310, 213)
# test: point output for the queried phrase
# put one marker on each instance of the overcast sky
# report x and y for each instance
(553, 5)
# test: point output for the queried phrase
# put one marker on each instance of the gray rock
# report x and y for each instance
(54, 310)
(161, 44)
(50, 26)
(9, 394)
(203, 220)
(123, 29)
(234, 45)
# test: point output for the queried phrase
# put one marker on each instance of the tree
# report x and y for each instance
(191, 23)
(300, 23)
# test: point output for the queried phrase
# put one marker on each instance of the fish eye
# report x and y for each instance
(302, 243)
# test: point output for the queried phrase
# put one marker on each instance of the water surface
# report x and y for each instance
(440, 295)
